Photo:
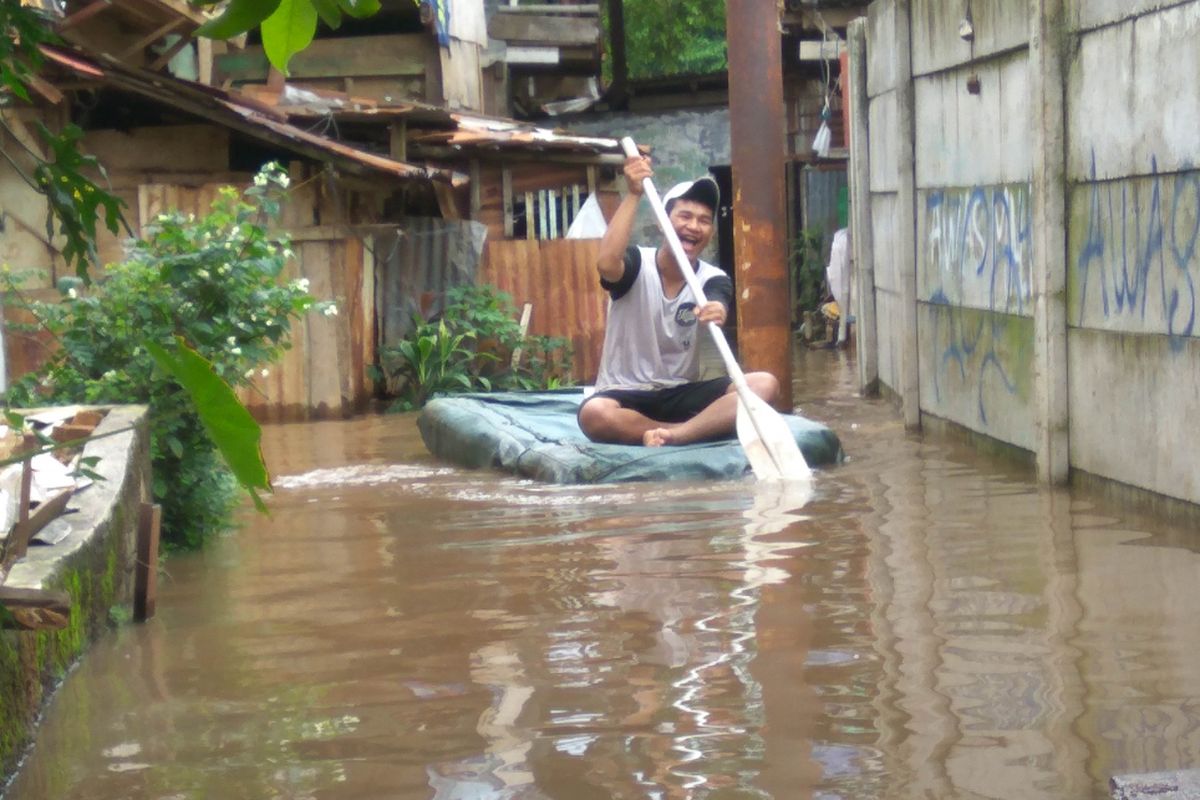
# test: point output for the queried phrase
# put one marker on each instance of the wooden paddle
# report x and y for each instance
(768, 441)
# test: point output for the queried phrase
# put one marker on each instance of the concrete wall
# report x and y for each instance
(683, 144)
(94, 563)
(884, 181)
(1132, 234)
(1126, 213)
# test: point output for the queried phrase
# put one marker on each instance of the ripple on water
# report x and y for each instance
(359, 475)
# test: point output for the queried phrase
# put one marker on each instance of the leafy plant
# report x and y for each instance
(470, 348)
(287, 26)
(808, 269)
(434, 360)
(214, 283)
(74, 200)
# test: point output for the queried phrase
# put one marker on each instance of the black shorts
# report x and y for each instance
(672, 404)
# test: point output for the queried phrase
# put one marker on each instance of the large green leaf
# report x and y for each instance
(229, 424)
(239, 16)
(288, 30)
(329, 11)
(360, 9)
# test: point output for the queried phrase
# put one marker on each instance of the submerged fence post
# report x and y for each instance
(145, 588)
(906, 219)
(1048, 186)
(862, 240)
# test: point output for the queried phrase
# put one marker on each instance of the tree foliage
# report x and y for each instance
(674, 37)
(197, 306)
(287, 26)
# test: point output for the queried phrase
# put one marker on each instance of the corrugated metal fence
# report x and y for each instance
(559, 278)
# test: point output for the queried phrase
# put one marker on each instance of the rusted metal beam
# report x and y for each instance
(758, 138)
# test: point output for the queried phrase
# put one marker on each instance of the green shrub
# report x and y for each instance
(470, 348)
(808, 269)
(215, 282)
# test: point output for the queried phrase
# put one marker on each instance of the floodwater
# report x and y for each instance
(929, 624)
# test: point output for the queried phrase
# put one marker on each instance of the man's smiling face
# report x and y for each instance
(693, 223)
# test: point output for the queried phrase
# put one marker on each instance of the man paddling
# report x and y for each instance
(648, 390)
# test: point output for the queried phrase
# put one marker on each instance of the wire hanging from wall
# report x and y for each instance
(824, 137)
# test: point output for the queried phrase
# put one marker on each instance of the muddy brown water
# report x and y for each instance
(929, 624)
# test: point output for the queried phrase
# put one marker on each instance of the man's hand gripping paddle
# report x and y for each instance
(768, 441)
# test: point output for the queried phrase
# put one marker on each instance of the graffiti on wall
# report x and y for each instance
(1133, 247)
(975, 274)
(979, 248)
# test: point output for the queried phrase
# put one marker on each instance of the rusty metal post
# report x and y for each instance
(759, 144)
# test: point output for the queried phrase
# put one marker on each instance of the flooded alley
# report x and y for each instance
(930, 623)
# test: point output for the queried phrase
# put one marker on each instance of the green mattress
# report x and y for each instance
(535, 435)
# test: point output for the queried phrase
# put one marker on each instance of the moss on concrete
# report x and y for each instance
(95, 567)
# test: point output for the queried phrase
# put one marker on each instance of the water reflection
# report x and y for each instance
(925, 622)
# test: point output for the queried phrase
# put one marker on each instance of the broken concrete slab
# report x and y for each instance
(1172, 785)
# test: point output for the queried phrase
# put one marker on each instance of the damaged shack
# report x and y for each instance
(395, 198)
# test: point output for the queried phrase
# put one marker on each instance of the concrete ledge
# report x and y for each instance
(1176, 785)
(94, 564)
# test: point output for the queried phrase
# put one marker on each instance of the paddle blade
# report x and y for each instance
(769, 443)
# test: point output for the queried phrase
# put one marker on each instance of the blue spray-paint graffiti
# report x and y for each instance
(979, 249)
(1140, 232)
(978, 259)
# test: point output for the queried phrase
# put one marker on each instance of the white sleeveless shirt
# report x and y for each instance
(650, 340)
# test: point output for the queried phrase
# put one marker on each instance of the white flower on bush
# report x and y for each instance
(261, 179)
(237, 351)
(329, 310)
(71, 293)
(301, 284)
(202, 274)
(264, 373)
(232, 340)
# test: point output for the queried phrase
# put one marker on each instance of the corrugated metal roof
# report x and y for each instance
(243, 114)
(452, 128)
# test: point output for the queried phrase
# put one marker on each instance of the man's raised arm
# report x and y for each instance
(610, 262)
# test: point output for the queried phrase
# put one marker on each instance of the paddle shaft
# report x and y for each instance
(689, 275)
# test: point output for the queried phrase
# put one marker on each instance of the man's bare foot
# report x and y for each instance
(657, 437)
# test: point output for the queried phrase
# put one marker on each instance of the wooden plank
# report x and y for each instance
(37, 609)
(389, 55)
(526, 311)
(582, 9)
(447, 203)
(172, 148)
(398, 140)
(320, 233)
(545, 175)
(366, 314)
(145, 578)
(544, 29)
(476, 190)
(289, 399)
(343, 281)
(17, 542)
(519, 54)
(507, 188)
(152, 37)
(83, 14)
(323, 367)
